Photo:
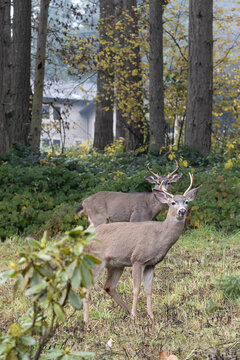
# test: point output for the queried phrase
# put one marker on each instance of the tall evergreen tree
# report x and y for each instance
(103, 133)
(22, 62)
(119, 38)
(200, 73)
(5, 75)
(36, 122)
(157, 126)
(134, 133)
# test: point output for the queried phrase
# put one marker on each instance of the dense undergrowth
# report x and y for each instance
(41, 191)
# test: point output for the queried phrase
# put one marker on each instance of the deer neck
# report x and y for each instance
(173, 228)
(162, 236)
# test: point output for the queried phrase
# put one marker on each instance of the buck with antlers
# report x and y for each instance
(140, 245)
(109, 206)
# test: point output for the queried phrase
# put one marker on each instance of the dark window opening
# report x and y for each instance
(45, 142)
(45, 112)
(56, 142)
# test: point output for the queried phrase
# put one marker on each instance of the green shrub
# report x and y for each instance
(53, 275)
(32, 197)
(40, 193)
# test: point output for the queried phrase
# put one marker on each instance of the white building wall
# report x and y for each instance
(77, 127)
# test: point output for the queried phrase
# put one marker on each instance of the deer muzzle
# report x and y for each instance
(182, 212)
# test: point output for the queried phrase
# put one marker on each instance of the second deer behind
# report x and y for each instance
(110, 206)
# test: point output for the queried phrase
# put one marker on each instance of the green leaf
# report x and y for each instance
(76, 278)
(36, 278)
(93, 259)
(2, 347)
(44, 257)
(63, 276)
(22, 260)
(17, 284)
(86, 276)
(89, 237)
(78, 249)
(70, 269)
(59, 312)
(82, 354)
(89, 231)
(25, 281)
(34, 243)
(52, 354)
(25, 357)
(36, 288)
(46, 271)
(28, 340)
(76, 232)
(6, 275)
(89, 263)
(75, 300)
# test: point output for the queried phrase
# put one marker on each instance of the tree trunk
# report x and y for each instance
(5, 74)
(200, 72)
(22, 62)
(103, 133)
(157, 125)
(36, 122)
(134, 133)
(119, 38)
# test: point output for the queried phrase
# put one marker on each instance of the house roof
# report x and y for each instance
(71, 91)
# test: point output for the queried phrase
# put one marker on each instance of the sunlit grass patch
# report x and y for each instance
(192, 317)
(11, 306)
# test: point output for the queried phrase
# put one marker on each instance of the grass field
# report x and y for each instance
(192, 318)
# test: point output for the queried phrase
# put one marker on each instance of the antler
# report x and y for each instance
(151, 172)
(191, 183)
(171, 174)
(168, 176)
(163, 188)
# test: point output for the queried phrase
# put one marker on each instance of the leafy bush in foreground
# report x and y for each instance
(53, 275)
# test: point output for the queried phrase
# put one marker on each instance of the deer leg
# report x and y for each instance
(96, 273)
(113, 276)
(137, 273)
(148, 278)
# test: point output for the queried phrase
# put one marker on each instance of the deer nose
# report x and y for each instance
(182, 212)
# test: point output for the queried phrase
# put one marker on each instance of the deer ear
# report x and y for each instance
(175, 178)
(190, 196)
(150, 179)
(161, 196)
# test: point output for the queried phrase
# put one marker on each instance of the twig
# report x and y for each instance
(52, 328)
(176, 43)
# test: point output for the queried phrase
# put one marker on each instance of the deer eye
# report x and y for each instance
(186, 201)
(173, 203)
